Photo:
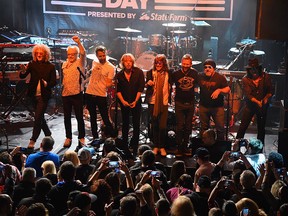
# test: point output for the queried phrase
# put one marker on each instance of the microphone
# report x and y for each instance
(81, 74)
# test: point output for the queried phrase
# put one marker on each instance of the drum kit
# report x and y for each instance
(173, 45)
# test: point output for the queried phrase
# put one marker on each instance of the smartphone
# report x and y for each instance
(243, 146)
(114, 164)
(23, 149)
(234, 155)
(155, 173)
(245, 212)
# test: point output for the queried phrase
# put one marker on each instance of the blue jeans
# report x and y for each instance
(217, 113)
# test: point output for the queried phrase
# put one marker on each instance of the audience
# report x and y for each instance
(49, 171)
(182, 206)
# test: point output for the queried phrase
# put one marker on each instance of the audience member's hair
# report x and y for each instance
(283, 209)
(113, 180)
(276, 187)
(148, 158)
(216, 212)
(247, 179)
(67, 171)
(276, 158)
(71, 156)
(43, 186)
(163, 207)
(143, 148)
(251, 205)
(283, 194)
(182, 206)
(148, 195)
(29, 174)
(47, 143)
(113, 156)
(229, 208)
(128, 206)
(37, 209)
(5, 204)
(178, 168)
(48, 166)
(185, 181)
(5, 158)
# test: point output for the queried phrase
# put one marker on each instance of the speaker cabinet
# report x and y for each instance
(271, 20)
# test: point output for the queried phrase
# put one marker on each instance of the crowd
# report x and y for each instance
(79, 183)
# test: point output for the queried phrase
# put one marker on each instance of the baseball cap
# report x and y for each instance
(210, 62)
(202, 153)
(84, 153)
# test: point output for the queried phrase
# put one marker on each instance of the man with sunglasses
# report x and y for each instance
(213, 86)
(257, 88)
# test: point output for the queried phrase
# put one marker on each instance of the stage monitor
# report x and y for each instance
(271, 20)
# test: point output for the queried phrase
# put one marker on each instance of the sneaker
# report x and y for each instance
(163, 152)
(67, 143)
(31, 144)
(155, 150)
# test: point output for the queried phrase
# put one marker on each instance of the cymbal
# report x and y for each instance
(178, 32)
(174, 24)
(93, 57)
(127, 29)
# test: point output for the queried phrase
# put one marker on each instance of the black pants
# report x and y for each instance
(76, 102)
(248, 112)
(40, 105)
(101, 102)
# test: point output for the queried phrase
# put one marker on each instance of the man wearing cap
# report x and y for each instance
(213, 86)
(185, 80)
(257, 88)
(206, 167)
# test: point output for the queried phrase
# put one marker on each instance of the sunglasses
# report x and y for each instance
(210, 67)
(158, 63)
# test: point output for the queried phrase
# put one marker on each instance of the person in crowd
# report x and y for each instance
(42, 80)
(182, 206)
(162, 207)
(130, 85)
(206, 167)
(37, 209)
(49, 171)
(59, 193)
(229, 208)
(185, 80)
(35, 160)
(84, 169)
(215, 212)
(141, 150)
(178, 169)
(158, 83)
(213, 86)
(5, 204)
(42, 187)
(73, 70)
(250, 206)
(71, 156)
(26, 188)
(96, 92)
(257, 88)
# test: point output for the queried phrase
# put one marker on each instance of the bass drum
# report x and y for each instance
(146, 60)
(112, 113)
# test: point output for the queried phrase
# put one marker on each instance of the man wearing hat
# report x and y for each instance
(257, 89)
(213, 86)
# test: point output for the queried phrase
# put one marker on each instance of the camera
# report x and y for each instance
(114, 164)
(243, 143)
(155, 173)
(234, 155)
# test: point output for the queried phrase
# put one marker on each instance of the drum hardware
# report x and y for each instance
(127, 30)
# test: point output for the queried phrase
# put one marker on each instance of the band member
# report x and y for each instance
(129, 88)
(213, 86)
(72, 95)
(42, 79)
(96, 92)
(257, 88)
(185, 80)
(158, 85)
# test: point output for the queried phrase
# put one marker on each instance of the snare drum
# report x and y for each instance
(146, 60)
(156, 40)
